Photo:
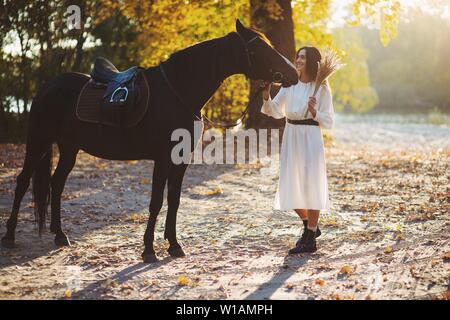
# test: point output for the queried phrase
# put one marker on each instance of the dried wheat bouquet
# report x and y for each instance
(329, 64)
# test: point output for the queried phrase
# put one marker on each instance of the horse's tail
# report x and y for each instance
(39, 144)
(45, 123)
(41, 189)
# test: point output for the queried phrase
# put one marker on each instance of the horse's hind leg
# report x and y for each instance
(32, 159)
(67, 159)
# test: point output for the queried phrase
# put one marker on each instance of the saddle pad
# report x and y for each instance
(90, 100)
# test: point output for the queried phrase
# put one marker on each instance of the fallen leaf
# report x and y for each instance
(183, 280)
(214, 192)
(68, 294)
(388, 249)
(347, 270)
(399, 236)
(125, 287)
(320, 282)
(135, 217)
(290, 286)
(110, 284)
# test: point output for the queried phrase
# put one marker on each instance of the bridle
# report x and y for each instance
(276, 77)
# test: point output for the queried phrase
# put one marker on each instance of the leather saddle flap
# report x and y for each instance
(91, 98)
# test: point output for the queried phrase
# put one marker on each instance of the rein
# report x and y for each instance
(204, 118)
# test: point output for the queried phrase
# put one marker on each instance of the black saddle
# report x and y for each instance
(104, 72)
(121, 88)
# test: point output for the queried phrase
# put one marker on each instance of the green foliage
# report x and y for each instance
(385, 15)
(413, 72)
(310, 23)
(351, 86)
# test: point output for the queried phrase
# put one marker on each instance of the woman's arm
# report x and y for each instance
(325, 112)
(274, 107)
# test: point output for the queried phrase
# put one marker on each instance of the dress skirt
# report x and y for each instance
(303, 179)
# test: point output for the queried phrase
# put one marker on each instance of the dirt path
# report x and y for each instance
(386, 237)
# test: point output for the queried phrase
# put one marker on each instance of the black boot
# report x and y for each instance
(308, 246)
(302, 237)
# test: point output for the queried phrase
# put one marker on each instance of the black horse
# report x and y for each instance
(192, 75)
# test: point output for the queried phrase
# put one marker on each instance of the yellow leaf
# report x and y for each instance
(125, 287)
(290, 286)
(214, 192)
(135, 217)
(132, 161)
(388, 249)
(347, 270)
(145, 181)
(183, 280)
(68, 294)
(329, 222)
(399, 237)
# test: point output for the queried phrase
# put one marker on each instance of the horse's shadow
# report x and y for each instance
(29, 246)
(97, 288)
(290, 266)
(21, 254)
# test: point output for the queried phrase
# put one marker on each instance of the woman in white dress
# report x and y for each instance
(303, 186)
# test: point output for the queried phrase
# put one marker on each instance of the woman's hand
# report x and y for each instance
(312, 102)
(266, 89)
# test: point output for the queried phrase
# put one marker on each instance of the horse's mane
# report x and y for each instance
(262, 36)
(197, 45)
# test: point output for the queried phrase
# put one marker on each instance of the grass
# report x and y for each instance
(437, 117)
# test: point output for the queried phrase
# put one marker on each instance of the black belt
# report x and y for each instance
(308, 122)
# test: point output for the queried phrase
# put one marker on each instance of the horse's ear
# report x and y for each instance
(240, 27)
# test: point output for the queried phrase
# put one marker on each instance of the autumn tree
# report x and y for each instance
(274, 18)
(147, 32)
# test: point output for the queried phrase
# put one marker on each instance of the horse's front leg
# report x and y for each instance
(160, 172)
(175, 181)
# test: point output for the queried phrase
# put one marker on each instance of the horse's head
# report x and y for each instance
(263, 61)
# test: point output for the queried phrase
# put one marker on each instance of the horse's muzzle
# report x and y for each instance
(277, 77)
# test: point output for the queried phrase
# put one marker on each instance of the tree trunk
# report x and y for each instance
(76, 66)
(79, 52)
(281, 33)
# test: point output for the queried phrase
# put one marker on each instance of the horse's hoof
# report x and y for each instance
(8, 243)
(176, 252)
(149, 258)
(62, 241)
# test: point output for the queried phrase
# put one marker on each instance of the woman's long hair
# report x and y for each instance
(312, 57)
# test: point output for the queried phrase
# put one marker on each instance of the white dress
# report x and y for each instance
(303, 179)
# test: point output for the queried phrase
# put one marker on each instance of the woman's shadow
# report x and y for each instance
(291, 264)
